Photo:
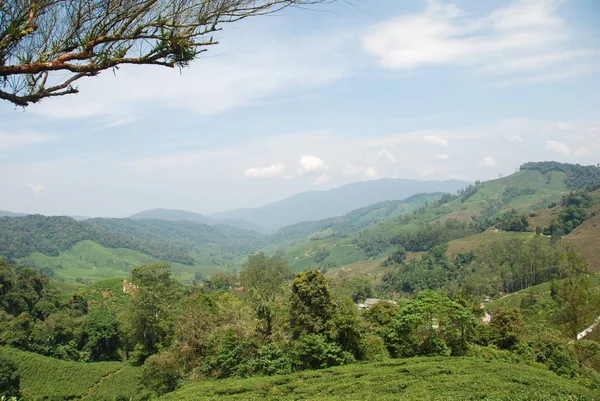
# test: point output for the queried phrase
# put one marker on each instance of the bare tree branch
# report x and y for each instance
(86, 37)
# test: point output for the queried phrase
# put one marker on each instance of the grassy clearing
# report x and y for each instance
(90, 261)
(409, 379)
(48, 378)
(586, 240)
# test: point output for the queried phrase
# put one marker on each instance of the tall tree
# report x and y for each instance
(573, 294)
(262, 278)
(81, 38)
(148, 319)
(311, 306)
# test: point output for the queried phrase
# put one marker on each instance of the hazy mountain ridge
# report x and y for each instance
(318, 205)
(183, 215)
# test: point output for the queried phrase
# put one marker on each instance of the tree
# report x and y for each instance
(47, 45)
(148, 318)
(262, 278)
(311, 307)
(9, 377)
(573, 294)
(432, 324)
(507, 325)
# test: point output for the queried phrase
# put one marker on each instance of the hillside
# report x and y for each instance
(182, 215)
(88, 261)
(586, 240)
(355, 220)
(216, 245)
(22, 236)
(44, 378)
(317, 205)
(462, 215)
(408, 379)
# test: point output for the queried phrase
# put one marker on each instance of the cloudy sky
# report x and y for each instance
(313, 99)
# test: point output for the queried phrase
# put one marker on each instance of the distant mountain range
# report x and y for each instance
(182, 215)
(10, 214)
(317, 205)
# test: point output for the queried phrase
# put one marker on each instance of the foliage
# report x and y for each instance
(22, 236)
(9, 377)
(81, 38)
(311, 306)
(432, 324)
(148, 318)
(48, 378)
(573, 294)
(578, 176)
(433, 379)
(513, 221)
(507, 327)
(262, 278)
(222, 244)
(315, 351)
(160, 373)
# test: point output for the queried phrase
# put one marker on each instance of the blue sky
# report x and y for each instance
(313, 99)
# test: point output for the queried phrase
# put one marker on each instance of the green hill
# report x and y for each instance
(409, 379)
(44, 378)
(317, 205)
(88, 261)
(531, 191)
(22, 236)
(217, 245)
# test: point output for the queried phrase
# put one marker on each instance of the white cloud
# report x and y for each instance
(489, 161)
(525, 37)
(385, 153)
(16, 140)
(435, 140)
(311, 164)
(442, 157)
(558, 147)
(563, 126)
(322, 179)
(273, 170)
(514, 138)
(36, 189)
(370, 173)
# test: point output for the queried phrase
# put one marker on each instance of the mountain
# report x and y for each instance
(173, 215)
(217, 244)
(22, 236)
(538, 190)
(182, 215)
(10, 214)
(317, 205)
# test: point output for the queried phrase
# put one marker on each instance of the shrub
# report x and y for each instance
(271, 360)
(373, 348)
(9, 377)
(161, 373)
(314, 351)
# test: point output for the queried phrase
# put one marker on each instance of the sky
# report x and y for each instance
(315, 98)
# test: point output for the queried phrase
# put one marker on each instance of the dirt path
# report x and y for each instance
(99, 382)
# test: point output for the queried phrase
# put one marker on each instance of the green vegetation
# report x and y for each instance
(48, 378)
(433, 264)
(22, 236)
(87, 261)
(409, 379)
(578, 176)
(217, 245)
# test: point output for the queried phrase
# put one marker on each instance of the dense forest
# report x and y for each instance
(21, 236)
